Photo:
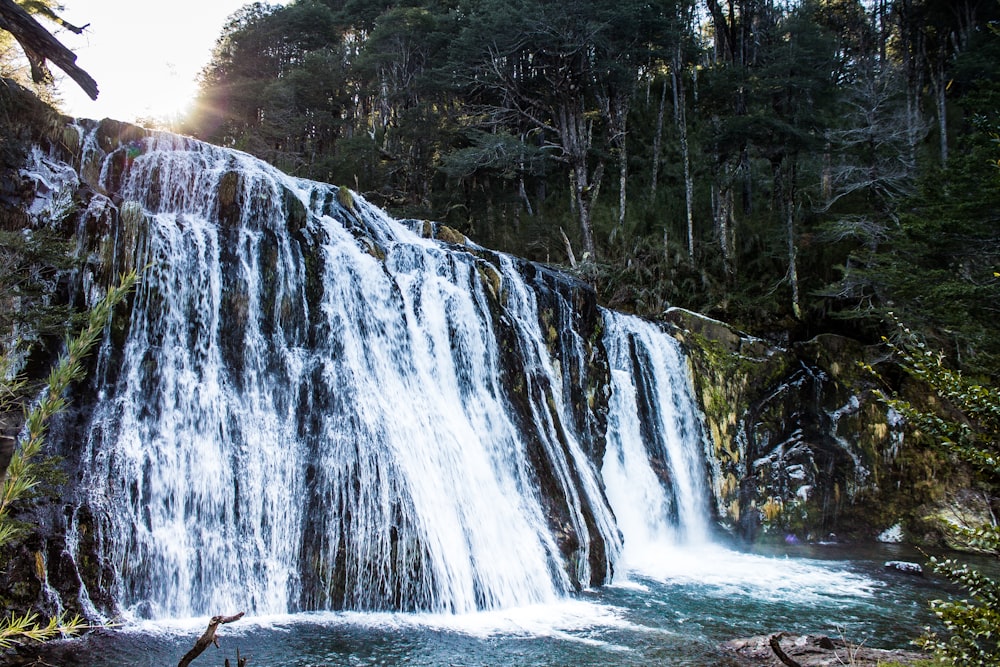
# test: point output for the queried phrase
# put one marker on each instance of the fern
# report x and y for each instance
(22, 474)
(24, 628)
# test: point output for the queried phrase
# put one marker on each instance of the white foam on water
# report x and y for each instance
(570, 620)
(652, 416)
(721, 572)
(664, 516)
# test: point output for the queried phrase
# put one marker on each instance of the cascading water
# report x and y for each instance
(309, 406)
(317, 408)
(652, 418)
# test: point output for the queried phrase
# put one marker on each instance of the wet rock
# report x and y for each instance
(800, 444)
(905, 567)
(814, 651)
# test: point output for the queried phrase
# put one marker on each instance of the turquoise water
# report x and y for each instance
(675, 612)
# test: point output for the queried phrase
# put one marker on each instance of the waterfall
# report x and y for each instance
(313, 406)
(654, 467)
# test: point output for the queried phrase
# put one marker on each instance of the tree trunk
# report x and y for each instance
(575, 138)
(722, 212)
(622, 179)
(680, 117)
(793, 268)
(775, 643)
(746, 179)
(569, 249)
(941, 87)
(208, 637)
(784, 186)
(587, 189)
(657, 143)
(883, 30)
(615, 109)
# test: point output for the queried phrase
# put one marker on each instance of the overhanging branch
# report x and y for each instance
(39, 45)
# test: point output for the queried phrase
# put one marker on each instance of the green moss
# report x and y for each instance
(492, 281)
(295, 211)
(228, 186)
(346, 198)
(71, 140)
(449, 235)
(229, 199)
(370, 247)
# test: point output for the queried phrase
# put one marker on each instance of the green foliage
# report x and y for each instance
(966, 424)
(20, 629)
(30, 261)
(972, 432)
(797, 133)
(22, 473)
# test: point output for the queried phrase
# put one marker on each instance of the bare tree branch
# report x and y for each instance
(39, 45)
(208, 637)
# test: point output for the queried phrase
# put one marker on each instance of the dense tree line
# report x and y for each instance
(787, 166)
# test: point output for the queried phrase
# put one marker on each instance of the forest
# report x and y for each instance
(789, 167)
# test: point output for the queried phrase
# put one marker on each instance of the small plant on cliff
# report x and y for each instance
(965, 424)
(22, 474)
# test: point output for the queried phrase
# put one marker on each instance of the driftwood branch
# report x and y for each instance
(208, 637)
(39, 45)
(241, 660)
(775, 643)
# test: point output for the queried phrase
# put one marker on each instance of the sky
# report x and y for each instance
(145, 55)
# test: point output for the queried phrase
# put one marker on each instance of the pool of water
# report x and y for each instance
(674, 607)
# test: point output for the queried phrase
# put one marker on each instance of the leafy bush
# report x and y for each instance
(965, 424)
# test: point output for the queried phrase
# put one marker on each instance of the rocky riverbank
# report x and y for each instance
(784, 649)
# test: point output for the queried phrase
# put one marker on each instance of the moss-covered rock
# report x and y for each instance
(229, 195)
(449, 235)
(346, 198)
(800, 443)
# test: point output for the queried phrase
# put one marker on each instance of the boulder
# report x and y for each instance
(905, 567)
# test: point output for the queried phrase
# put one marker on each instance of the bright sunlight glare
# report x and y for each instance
(145, 56)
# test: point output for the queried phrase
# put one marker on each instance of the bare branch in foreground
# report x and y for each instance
(207, 638)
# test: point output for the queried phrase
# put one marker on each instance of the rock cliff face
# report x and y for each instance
(803, 449)
(389, 416)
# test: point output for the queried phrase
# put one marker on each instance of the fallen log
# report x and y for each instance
(208, 637)
(783, 650)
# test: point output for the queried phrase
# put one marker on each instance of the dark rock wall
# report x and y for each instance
(111, 233)
(803, 450)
